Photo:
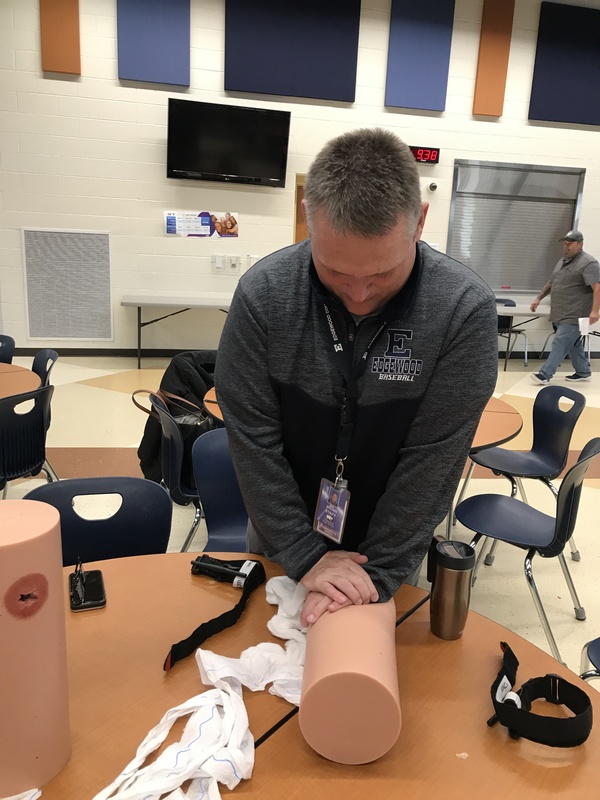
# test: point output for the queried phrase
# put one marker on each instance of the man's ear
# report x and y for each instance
(305, 216)
(421, 223)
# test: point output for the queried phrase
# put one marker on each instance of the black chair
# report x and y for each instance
(222, 503)
(507, 330)
(172, 451)
(590, 660)
(43, 361)
(510, 520)
(23, 435)
(552, 432)
(141, 525)
(7, 348)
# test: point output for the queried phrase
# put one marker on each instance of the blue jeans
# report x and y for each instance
(567, 341)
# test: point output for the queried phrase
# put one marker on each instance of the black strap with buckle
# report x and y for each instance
(513, 709)
(247, 575)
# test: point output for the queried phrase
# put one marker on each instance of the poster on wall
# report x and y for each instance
(202, 223)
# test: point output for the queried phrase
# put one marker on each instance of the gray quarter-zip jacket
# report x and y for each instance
(424, 384)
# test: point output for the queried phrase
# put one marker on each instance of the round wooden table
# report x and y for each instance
(118, 691)
(211, 404)
(499, 423)
(16, 380)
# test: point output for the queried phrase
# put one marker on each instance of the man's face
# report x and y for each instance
(570, 249)
(364, 272)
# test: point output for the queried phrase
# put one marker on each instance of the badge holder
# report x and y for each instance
(332, 507)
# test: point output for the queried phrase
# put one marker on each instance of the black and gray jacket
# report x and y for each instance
(427, 379)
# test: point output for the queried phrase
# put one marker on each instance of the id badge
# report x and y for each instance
(332, 507)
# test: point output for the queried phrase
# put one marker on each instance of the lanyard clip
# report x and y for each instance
(340, 483)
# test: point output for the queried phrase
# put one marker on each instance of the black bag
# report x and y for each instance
(189, 376)
(191, 420)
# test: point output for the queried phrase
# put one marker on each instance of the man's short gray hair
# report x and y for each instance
(363, 182)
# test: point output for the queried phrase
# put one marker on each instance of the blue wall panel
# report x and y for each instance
(153, 38)
(419, 54)
(297, 48)
(566, 76)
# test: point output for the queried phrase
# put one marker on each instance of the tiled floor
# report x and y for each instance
(96, 430)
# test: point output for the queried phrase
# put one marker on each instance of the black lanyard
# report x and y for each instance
(351, 375)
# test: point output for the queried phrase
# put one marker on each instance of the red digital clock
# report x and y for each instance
(426, 155)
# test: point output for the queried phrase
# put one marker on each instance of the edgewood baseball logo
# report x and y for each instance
(396, 363)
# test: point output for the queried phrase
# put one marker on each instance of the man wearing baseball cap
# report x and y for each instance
(574, 287)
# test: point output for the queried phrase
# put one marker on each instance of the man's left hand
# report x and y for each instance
(594, 317)
(316, 604)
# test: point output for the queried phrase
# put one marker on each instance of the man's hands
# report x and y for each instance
(535, 304)
(336, 580)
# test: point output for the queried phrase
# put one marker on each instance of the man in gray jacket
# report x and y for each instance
(360, 361)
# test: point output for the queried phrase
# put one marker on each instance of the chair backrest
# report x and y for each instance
(172, 451)
(7, 348)
(504, 323)
(140, 526)
(553, 427)
(569, 495)
(43, 361)
(23, 433)
(219, 491)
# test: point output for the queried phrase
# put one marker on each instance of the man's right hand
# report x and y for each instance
(340, 576)
(535, 304)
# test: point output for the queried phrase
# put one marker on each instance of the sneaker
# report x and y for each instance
(539, 378)
(577, 377)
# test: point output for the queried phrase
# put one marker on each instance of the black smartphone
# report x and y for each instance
(86, 590)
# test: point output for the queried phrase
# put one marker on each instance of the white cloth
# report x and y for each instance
(30, 794)
(268, 662)
(216, 745)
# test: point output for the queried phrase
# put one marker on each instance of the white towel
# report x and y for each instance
(216, 745)
(268, 662)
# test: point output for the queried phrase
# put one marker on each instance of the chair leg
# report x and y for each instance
(541, 355)
(575, 554)
(479, 558)
(528, 566)
(522, 490)
(51, 475)
(525, 337)
(491, 554)
(193, 529)
(579, 609)
(462, 491)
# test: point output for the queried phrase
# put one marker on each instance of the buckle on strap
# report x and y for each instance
(513, 709)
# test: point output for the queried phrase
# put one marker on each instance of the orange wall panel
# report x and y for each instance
(494, 49)
(59, 25)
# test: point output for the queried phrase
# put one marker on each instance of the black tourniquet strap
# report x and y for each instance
(252, 580)
(513, 709)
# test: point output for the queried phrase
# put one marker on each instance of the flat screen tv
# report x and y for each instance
(235, 144)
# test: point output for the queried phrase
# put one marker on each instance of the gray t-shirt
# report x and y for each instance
(571, 290)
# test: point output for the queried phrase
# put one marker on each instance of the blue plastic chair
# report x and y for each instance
(43, 361)
(23, 436)
(219, 491)
(590, 660)
(510, 520)
(140, 526)
(172, 451)
(7, 348)
(552, 433)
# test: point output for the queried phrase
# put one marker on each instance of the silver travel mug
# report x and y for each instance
(451, 590)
